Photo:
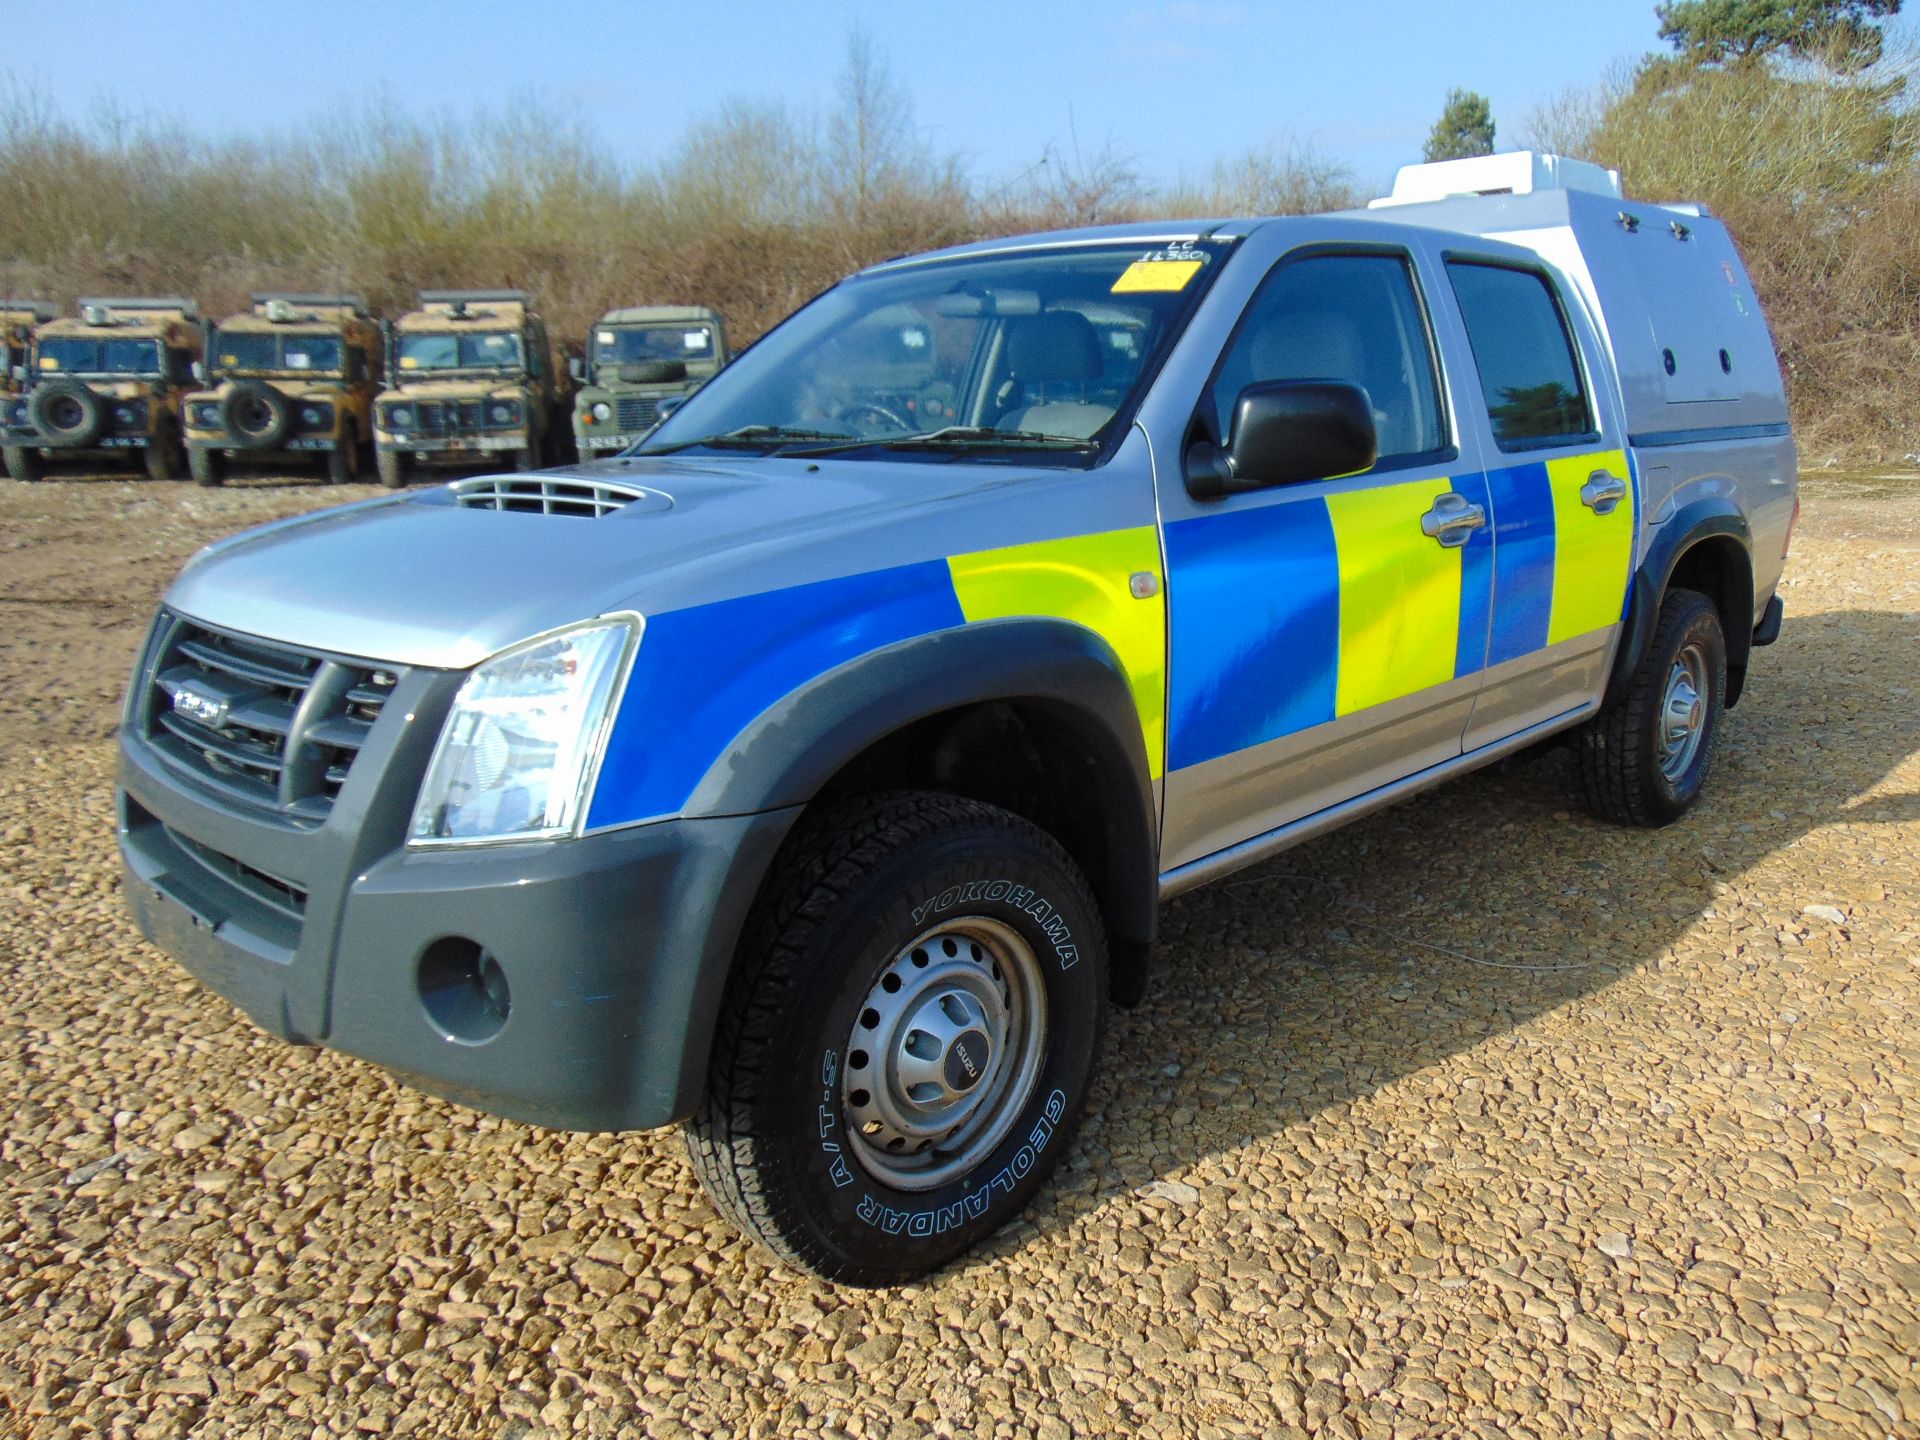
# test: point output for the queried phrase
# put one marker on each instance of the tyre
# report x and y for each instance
(24, 464)
(209, 468)
(343, 461)
(161, 458)
(257, 414)
(392, 466)
(67, 413)
(906, 1041)
(1644, 760)
(525, 460)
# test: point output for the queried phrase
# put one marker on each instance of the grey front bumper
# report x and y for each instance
(615, 947)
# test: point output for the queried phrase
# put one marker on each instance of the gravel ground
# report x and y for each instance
(1478, 1118)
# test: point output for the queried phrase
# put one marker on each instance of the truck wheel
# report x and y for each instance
(24, 464)
(343, 461)
(209, 468)
(392, 466)
(1644, 759)
(161, 458)
(525, 460)
(905, 1044)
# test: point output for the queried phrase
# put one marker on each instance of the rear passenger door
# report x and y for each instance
(1326, 636)
(1562, 496)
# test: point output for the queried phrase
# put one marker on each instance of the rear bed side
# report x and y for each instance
(1706, 409)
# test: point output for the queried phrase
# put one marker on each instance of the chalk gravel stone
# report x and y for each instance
(1348, 1184)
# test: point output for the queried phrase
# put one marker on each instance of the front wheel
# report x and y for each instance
(23, 464)
(1644, 759)
(209, 468)
(162, 459)
(392, 466)
(906, 1042)
(343, 461)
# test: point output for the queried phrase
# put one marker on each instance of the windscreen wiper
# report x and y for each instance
(752, 435)
(959, 437)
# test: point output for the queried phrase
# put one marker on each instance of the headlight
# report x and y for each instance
(400, 417)
(206, 416)
(19, 412)
(503, 412)
(603, 411)
(520, 747)
(129, 414)
(316, 417)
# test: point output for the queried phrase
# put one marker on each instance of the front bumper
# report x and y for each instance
(239, 450)
(451, 444)
(31, 439)
(614, 946)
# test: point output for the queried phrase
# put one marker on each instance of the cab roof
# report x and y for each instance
(660, 315)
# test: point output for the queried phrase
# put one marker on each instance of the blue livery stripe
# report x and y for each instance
(1523, 543)
(1476, 579)
(679, 716)
(1255, 627)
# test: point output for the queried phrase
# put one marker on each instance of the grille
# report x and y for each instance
(435, 417)
(637, 413)
(543, 495)
(283, 896)
(263, 723)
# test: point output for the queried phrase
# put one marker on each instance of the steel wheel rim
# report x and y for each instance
(966, 996)
(1683, 712)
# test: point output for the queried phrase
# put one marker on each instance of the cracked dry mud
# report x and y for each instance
(1337, 1178)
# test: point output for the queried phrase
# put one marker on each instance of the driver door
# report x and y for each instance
(1327, 637)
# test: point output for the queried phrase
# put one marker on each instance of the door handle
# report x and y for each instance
(1453, 519)
(1603, 492)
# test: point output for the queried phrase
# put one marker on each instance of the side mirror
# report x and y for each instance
(198, 370)
(20, 374)
(576, 367)
(1286, 431)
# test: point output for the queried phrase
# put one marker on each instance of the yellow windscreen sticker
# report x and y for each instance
(229, 359)
(47, 362)
(1156, 275)
(409, 362)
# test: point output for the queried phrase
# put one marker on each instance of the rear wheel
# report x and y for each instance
(209, 467)
(393, 468)
(24, 464)
(907, 1039)
(1644, 760)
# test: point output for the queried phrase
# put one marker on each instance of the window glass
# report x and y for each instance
(1355, 318)
(471, 350)
(1524, 354)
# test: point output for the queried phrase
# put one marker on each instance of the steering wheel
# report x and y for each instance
(863, 418)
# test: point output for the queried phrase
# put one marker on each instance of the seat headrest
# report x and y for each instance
(1057, 348)
(1312, 345)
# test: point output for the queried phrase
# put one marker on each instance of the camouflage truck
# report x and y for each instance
(292, 379)
(105, 384)
(469, 382)
(640, 364)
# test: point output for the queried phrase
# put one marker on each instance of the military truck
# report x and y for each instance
(292, 378)
(103, 385)
(470, 382)
(641, 362)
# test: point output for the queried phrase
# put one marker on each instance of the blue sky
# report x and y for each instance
(1175, 83)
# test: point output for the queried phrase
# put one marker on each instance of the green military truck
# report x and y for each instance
(104, 385)
(470, 382)
(291, 379)
(641, 362)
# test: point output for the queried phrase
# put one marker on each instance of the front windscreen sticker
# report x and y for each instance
(606, 337)
(409, 362)
(695, 339)
(47, 362)
(229, 359)
(1166, 270)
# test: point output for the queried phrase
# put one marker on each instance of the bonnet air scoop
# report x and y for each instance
(554, 495)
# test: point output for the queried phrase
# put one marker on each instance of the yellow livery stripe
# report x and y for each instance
(1399, 595)
(1085, 579)
(1593, 554)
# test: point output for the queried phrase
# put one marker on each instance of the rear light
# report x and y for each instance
(1792, 521)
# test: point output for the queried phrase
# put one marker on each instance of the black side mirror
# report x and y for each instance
(1286, 431)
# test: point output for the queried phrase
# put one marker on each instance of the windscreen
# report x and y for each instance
(288, 353)
(1032, 354)
(83, 355)
(467, 350)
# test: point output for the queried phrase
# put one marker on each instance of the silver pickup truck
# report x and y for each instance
(812, 773)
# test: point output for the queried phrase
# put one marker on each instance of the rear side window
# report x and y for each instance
(1525, 356)
(1355, 318)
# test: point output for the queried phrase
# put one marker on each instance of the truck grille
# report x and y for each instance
(637, 413)
(437, 418)
(270, 725)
